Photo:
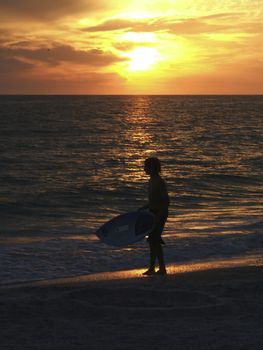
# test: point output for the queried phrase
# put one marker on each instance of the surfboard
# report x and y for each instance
(127, 228)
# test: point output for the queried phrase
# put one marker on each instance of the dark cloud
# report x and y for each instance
(91, 83)
(64, 53)
(180, 27)
(3, 32)
(12, 65)
(48, 9)
(4, 35)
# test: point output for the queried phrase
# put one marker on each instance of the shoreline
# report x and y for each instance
(172, 269)
(195, 308)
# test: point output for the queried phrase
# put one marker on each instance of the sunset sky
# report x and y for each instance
(131, 47)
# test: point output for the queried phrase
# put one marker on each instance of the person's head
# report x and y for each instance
(152, 166)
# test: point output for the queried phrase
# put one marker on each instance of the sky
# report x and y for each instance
(131, 47)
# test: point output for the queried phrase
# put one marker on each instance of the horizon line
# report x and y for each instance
(72, 94)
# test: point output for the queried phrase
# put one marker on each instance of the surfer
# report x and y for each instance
(158, 204)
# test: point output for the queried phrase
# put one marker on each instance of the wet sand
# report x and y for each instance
(200, 306)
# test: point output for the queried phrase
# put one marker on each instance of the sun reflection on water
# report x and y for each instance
(140, 140)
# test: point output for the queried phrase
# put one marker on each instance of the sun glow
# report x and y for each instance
(142, 58)
(136, 15)
(131, 47)
(139, 37)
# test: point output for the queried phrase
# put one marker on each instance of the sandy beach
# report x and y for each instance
(200, 306)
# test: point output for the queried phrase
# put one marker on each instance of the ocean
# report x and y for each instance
(69, 163)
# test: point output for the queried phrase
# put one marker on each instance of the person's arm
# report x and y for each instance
(164, 199)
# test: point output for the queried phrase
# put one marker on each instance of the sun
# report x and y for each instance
(142, 58)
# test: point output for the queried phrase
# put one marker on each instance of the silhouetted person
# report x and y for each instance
(158, 203)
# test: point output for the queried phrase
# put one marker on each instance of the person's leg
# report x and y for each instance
(153, 255)
(159, 249)
(159, 253)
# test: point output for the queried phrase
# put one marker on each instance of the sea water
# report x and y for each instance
(70, 163)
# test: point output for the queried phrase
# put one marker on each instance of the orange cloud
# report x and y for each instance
(48, 9)
(10, 64)
(85, 46)
(57, 54)
(176, 26)
(73, 83)
(247, 78)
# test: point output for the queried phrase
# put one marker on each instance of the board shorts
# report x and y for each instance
(155, 235)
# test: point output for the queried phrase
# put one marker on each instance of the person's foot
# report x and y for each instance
(161, 272)
(149, 272)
